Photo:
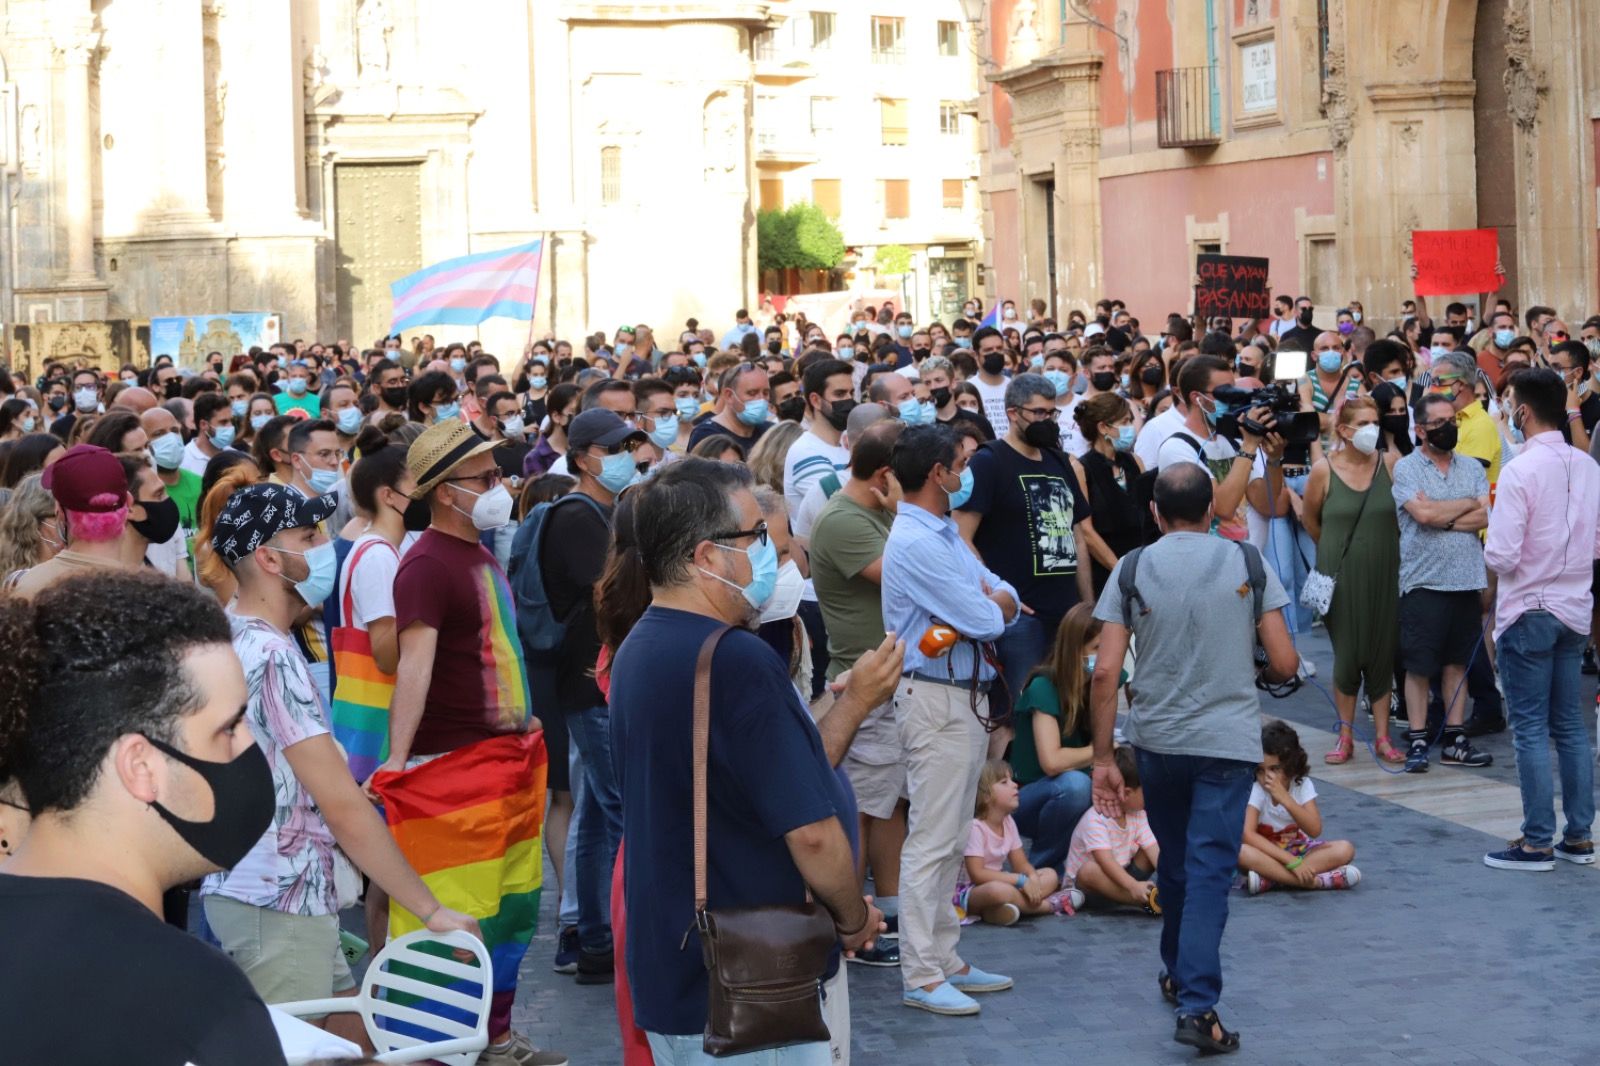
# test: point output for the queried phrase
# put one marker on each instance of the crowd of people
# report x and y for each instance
(839, 622)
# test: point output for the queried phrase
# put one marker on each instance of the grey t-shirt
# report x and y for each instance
(1194, 684)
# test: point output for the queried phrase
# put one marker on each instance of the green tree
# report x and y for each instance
(894, 260)
(799, 238)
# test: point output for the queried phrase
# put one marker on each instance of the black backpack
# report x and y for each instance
(1130, 570)
(1144, 492)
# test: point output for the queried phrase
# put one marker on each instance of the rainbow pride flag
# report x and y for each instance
(992, 318)
(469, 289)
(470, 823)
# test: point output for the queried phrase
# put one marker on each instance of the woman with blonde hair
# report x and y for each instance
(28, 534)
(766, 458)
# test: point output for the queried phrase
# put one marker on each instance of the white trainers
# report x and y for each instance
(1306, 669)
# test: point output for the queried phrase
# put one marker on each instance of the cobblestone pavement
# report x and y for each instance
(1434, 958)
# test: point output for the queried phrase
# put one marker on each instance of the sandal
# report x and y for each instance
(1341, 751)
(1169, 987)
(1387, 751)
(1198, 1031)
(1152, 901)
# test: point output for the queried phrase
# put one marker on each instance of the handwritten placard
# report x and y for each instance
(1453, 261)
(1234, 286)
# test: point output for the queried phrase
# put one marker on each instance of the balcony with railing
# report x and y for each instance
(1187, 108)
(785, 144)
(783, 55)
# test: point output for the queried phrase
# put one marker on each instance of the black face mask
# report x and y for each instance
(159, 523)
(792, 410)
(1152, 375)
(174, 388)
(838, 413)
(396, 396)
(1046, 434)
(1305, 317)
(1396, 427)
(774, 347)
(1103, 381)
(1443, 438)
(918, 354)
(242, 801)
(57, 402)
(417, 516)
(940, 397)
(994, 363)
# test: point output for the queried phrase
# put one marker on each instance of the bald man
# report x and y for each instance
(136, 399)
(182, 485)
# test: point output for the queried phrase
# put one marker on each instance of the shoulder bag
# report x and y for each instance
(764, 964)
(1316, 592)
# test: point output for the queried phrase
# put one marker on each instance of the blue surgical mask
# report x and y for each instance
(257, 421)
(446, 411)
(1126, 380)
(1081, 385)
(240, 407)
(763, 572)
(699, 358)
(1438, 350)
(963, 342)
(959, 497)
(1061, 380)
(537, 383)
(1036, 361)
(904, 331)
(298, 386)
(349, 421)
(1504, 337)
(1330, 361)
(221, 438)
(1089, 663)
(846, 352)
(914, 413)
(1517, 436)
(29, 424)
(324, 564)
(688, 407)
(1400, 383)
(666, 431)
(167, 451)
(754, 412)
(1124, 439)
(457, 365)
(321, 480)
(616, 472)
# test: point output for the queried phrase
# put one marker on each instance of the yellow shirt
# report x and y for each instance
(1479, 439)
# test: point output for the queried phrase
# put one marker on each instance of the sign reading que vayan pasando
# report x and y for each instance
(1232, 286)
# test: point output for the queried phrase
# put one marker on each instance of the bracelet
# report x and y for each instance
(1022, 882)
(1252, 456)
(857, 930)
(437, 907)
(1295, 865)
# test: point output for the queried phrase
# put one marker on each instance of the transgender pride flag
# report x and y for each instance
(467, 290)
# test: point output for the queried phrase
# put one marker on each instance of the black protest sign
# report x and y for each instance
(1231, 286)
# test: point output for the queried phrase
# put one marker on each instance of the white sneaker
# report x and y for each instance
(1307, 668)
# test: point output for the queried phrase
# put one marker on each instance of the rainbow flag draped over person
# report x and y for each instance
(469, 822)
(469, 289)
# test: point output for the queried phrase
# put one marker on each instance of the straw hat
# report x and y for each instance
(442, 447)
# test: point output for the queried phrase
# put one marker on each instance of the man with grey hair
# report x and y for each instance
(939, 374)
(778, 817)
(1028, 520)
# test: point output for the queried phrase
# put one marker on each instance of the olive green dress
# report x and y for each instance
(1362, 620)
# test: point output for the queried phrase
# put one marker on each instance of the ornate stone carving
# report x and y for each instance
(373, 27)
(1024, 43)
(1036, 102)
(722, 137)
(1404, 54)
(32, 154)
(1336, 86)
(1408, 135)
(1252, 12)
(1081, 144)
(1526, 83)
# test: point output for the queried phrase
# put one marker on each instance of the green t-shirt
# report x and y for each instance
(845, 539)
(1039, 697)
(310, 404)
(185, 492)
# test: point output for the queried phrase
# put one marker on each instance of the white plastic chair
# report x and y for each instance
(461, 1043)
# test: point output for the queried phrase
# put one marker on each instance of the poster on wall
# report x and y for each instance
(1258, 65)
(1455, 261)
(189, 338)
(1231, 286)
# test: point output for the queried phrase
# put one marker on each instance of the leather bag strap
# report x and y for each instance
(702, 742)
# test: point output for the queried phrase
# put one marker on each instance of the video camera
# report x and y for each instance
(1297, 428)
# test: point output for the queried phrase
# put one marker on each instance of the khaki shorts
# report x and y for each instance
(287, 957)
(877, 788)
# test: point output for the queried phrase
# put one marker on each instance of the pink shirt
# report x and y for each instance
(1544, 534)
(1096, 832)
(983, 843)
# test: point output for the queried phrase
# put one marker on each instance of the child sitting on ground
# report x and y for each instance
(1114, 859)
(984, 887)
(1281, 824)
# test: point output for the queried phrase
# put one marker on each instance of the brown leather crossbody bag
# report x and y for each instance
(764, 964)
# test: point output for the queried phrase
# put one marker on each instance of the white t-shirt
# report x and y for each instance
(1274, 817)
(994, 404)
(1176, 450)
(1073, 442)
(370, 582)
(194, 460)
(808, 460)
(1155, 434)
(167, 556)
(559, 467)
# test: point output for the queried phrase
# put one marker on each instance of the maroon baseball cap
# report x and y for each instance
(88, 479)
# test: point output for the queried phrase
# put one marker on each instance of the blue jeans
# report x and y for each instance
(1048, 811)
(1292, 553)
(690, 1051)
(599, 832)
(1540, 664)
(1020, 648)
(568, 915)
(1196, 809)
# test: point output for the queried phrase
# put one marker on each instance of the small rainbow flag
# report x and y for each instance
(992, 318)
(469, 289)
(469, 822)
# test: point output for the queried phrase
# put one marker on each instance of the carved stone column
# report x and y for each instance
(76, 53)
(178, 126)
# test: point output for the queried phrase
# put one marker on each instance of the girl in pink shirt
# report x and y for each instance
(984, 887)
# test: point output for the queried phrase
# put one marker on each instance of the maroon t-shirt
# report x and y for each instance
(480, 683)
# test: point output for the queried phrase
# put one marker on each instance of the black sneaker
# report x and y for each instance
(1576, 851)
(885, 952)
(596, 969)
(1482, 725)
(1518, 856)
(1462, 753)
(1417, 758)
(567, 950)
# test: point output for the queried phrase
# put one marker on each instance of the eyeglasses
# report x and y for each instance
(490, 478)
(1037, 414)
(1434, 423)
(759, 532)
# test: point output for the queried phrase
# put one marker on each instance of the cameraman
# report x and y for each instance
(1198, 442)
(1194, 721)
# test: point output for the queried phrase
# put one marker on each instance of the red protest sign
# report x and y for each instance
(1232, 286)
(1453, 261)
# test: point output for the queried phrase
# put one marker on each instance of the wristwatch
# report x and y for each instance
(1252, 456)
(1450, 524)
